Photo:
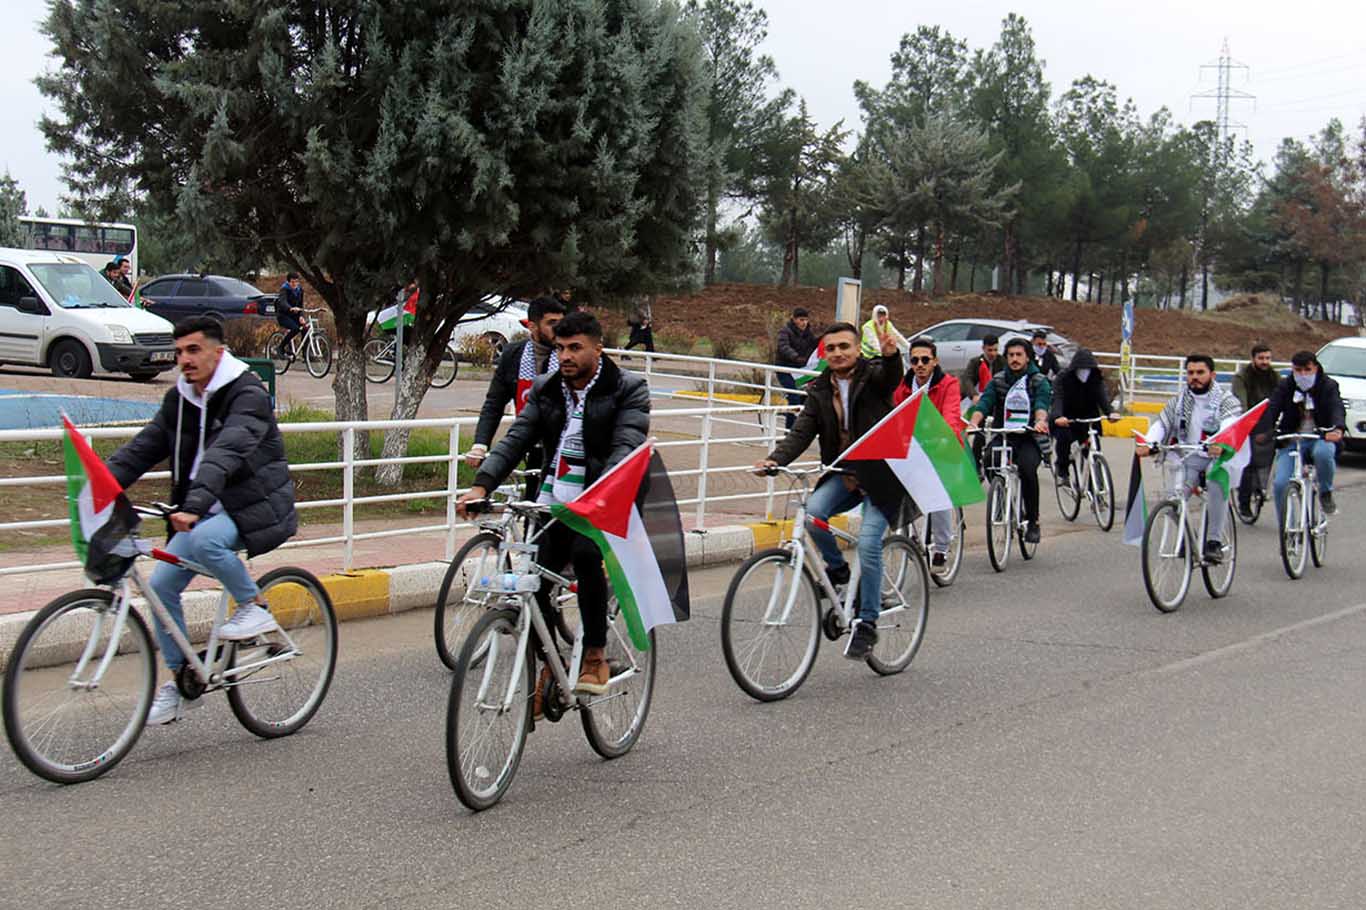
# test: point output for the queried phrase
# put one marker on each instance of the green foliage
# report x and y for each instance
(13, 203)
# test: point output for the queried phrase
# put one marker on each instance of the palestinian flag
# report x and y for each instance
(388, 317)
(1227, 469)
(631, 514)
(135, 295)
(921, 449)
(102, 519)
(815, 362)
(1136, 512)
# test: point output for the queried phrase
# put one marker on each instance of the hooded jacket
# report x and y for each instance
(1287, 404)
(226, 453)
(1252, 385)
(944, 394)
(1073, 398)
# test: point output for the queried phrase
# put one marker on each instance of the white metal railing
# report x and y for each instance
(1156, 377)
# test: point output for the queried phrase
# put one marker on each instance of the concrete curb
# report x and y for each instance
(368, 593)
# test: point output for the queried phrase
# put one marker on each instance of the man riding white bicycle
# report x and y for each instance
(586, 416)
(230, 479)
(1079, 393)
(1305, 402)
(841, 405)
(1203, 408)
(1019, 396)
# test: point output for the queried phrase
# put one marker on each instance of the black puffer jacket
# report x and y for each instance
(1073, 398)
(616, 418)
(795, 345)
(870, 389)
(502, 389)
(1283, 412)
(243, 464)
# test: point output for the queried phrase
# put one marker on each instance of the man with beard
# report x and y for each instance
(1253, 384)
(943, 392)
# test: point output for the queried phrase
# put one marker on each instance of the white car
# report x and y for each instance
(58, 312)
(960, 340)
(498, 320)
(1345, 360)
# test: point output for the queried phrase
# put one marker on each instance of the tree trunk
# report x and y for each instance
(918, 284)
(409, 390)
(953, 279)
(1123, 278)
(901, 264)
(938, 261)
(1090, 285)
(709, 275)
(348, 382)
(972, 277)
(1323, 289)
(1182, 289)
(854, 252)
(1299, 287)
(1204, 285)
(1048, 282)
(1076, 268)
(1008, 263)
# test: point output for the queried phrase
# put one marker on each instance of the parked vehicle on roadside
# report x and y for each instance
(960, 340)
(58, 312)
(176, 297)
(497, 320)
(1345, 360)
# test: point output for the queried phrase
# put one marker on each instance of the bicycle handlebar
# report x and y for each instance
(155, 509)
(1306, 435)
(1086, 419)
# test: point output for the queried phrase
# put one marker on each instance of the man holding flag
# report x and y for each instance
(1206, 413)
(842, 405)
(588, 416)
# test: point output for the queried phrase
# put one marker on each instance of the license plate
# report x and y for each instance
(163, 356)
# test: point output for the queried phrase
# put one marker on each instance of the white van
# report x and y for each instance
(58, 312)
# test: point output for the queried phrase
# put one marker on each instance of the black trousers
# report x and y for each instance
(561, 546)
(293, 327)
(1254, 476)
(1063, 437)
(1027, 456)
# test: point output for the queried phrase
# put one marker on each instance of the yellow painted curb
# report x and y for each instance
(771, 533)
(738, 397)
(1125, 426)
(358, 595)
(1147, 407)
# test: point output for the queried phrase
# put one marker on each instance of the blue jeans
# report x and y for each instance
(211, 543)
(1324, 454)
(831, 498)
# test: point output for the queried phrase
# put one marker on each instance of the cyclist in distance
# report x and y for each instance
(1303, 402)
(586, 417)
(1253, 384)
(1203, 408)
(1019, 396)
(516, 372)
(1079, 393)
(231, 483)
(841, 405)
(289, 312)
(943, 392)
(974, 381)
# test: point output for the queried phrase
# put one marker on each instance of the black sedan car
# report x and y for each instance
(175, 297)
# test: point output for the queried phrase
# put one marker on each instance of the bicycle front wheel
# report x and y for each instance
(1219, 576)
(66, 720)
(1166, 557)
(1102, 492)
(1293, 545)
(944, 575)
(485, 732)
(614, 721)
(770, 625)
(279, 679)
(1318, 530)
(275, 350)
(463, 599)
(379, 360)
(318, 356)
(999, 527)
(905, 606)
(446, 368)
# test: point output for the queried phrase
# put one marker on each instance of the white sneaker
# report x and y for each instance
(247, 622)
(168, 706)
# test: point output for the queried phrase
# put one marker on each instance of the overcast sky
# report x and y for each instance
(1307, 60)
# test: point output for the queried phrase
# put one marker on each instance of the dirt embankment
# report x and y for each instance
(751, 312)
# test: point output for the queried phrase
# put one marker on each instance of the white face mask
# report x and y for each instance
(1305, 382)
(1040, 348)
(1083, 373)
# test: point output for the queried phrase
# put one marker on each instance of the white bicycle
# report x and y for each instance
(1304, 527)
(1170, 548)
(1090, 478)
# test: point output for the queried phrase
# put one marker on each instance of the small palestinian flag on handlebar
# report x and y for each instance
(102, 518)
(815, 362)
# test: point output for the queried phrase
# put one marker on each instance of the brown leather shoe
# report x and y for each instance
(538, 697)
(595, 674)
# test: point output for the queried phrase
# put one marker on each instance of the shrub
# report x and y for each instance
(248, 337)
(723, 347)
(477, 350)
(673, 341)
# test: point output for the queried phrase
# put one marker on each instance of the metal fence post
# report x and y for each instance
(771, 415)
(452, 489)
(701, 514)
(348, 495)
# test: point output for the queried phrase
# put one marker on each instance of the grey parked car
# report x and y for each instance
(176, 297)
(960, 340)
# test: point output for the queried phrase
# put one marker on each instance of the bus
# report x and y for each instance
(94, 242)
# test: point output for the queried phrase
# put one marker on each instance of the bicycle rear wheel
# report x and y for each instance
(446, 368)
(1068, 493)
(66, 730)
(318, 355)
(614, 721)
(484, 741)
(1166, 557)
(770, 649)
(905, 606)
(282, 677)
(457, 606)
(1103, 492)
(379, 360)
(1254, 508)
(953, 557)
(1219, 577)
(275, 350)
(1293, 545)
(999, 528)
(1318, 530)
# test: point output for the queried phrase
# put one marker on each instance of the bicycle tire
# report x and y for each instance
(739, 656)
(626, 706)
(953, 559)
(999, 526)
(1254, 510)
(294, 689)
(377, 369)
(901, 629)
(1068, 497)
(452, 622)
(1318, 531)
(1166, 516)
(1293, 545)
(30, 658)
(465, 767)
(1103, 502)
(275, 350)
(446, 368)
(1219, 578)
(318, 356)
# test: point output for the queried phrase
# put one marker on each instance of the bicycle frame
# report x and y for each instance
(307, 336)
(1307, 474)
(1003, 462)
(1178, 491)
(1086, 466)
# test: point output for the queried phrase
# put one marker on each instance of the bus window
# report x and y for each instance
(88, 240)
(116, 241)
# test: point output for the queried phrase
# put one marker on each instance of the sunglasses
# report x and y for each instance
(915, 361)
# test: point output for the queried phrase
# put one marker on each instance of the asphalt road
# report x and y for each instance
(1056, 743)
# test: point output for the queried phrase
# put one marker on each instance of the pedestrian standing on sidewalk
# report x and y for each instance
(796, 343)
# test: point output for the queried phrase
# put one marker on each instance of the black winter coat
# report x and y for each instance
(870, 389)
(244, 465)
(1284, 414)
(795, 345)
(1074, 398)
(502, 389)
(616, 419)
